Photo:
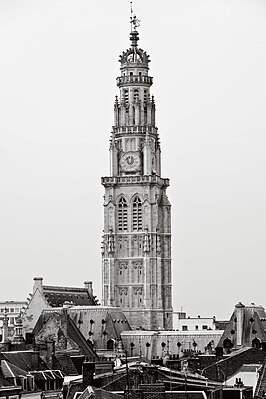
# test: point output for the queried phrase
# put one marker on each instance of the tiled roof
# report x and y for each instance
(74, 334)
(23, 360)
(64, 362)
(3, 381)
(10, 370)
(252, 327)
(57, 296)
(250, 368)
(87, 393)
(71, 331)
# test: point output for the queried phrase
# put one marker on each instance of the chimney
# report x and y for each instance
(38, 284)
(239, 322)
(219, 352)
(88, 286)
(5, 327)
(88, 369)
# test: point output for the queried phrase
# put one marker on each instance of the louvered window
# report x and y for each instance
(126, 96)
(122, 215)
(145, 96)
(137, 214)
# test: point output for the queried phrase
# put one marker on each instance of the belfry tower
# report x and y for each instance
(136, 249)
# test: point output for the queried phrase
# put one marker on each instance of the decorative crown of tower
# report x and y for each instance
(134, 55)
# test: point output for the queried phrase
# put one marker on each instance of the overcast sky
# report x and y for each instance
(59, 62)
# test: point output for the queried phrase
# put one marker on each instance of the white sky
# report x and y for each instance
(59, 61)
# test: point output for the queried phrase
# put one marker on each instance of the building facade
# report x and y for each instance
(10, 310)
(49, 297)
(136, 248)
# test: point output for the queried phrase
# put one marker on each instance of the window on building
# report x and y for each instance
(136, 94)
(12, 310)
(145, 95)
(196, 327)
(184, 328)
(122, 215)
(137, 214)
(126, 96)
(204, 327)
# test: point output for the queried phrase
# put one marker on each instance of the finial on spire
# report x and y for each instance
(135, 23)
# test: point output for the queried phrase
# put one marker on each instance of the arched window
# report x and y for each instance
(122, 214)
(126, 96)
(145, 96)
(137, 214)
(136, 94)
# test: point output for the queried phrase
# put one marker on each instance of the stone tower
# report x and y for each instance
(136, 249)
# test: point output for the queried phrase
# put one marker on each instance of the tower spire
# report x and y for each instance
(136, 250)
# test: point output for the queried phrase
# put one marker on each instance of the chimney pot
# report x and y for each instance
(88, 286)
(37, 284)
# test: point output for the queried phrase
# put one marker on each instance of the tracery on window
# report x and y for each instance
(137, 214)
(122, 214)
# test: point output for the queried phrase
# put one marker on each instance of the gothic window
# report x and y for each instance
(126, 96)
(145, 115)
(137, 214)
(136, 94)
(145, 96)
(122, 215)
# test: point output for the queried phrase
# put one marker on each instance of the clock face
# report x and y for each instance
(130, 161)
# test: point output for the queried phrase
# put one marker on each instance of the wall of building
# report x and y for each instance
(159, 344)
(182, 322)
(12, 310)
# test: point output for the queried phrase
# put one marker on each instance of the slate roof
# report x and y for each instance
(74, 334)
(10, 370)
(3, 381)
(23, 360)
(57, 296)
(252, 326)
(71, 331)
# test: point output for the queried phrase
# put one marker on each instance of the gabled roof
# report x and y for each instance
(251, 326)
(23, 360)
(66, 324)
(78, 338)
(57, 296)
(10, 370)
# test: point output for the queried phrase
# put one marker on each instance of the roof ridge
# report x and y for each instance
(57, 288)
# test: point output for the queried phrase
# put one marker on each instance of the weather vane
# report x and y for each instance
(135, 23)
